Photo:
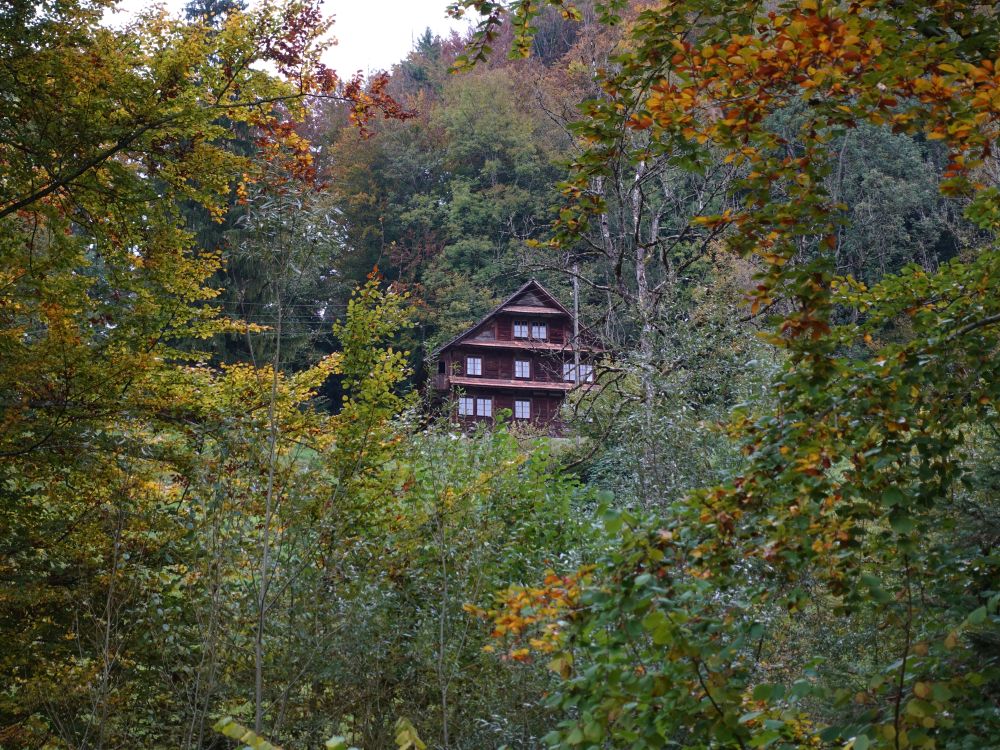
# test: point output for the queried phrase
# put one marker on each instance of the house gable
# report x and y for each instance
(531, 298)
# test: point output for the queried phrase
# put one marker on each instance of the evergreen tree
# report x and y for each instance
(212, 12)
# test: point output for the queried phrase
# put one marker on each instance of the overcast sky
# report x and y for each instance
(371, 34)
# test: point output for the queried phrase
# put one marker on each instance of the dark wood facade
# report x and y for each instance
(520, 357)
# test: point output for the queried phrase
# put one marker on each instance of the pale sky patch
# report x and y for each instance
(371, 34)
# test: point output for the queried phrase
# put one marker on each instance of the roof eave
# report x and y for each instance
(468, 331)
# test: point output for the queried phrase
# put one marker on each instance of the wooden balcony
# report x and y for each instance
(444, 383)
(520, 344)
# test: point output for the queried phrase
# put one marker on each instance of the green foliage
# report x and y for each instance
(801, 547)
(444, 202)
(653, 428)
(457, 518)
(820, 595)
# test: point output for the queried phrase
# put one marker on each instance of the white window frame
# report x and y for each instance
(539, 331)
(522, 409)
(484, 407)
(466, 406)
(521, 328)
(473, 365)
(522, 368)
(586, 374)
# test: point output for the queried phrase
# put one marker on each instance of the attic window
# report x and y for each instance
(473, 365)
(520, 329)
(539, 331)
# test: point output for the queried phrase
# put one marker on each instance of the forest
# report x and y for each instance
(234, 515)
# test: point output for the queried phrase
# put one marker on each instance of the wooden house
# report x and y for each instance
(520, 357)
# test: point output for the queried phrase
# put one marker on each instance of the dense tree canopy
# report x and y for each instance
(850, 507)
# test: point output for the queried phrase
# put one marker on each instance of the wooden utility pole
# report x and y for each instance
(576, 321)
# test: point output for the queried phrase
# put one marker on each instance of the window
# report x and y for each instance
(520, 329)
(484, 407)
(539, 331)
(586, 373)
(522, 368)
(465, 406)
(473, 365)
(522, 410)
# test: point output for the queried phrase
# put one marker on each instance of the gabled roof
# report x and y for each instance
(530, 284)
